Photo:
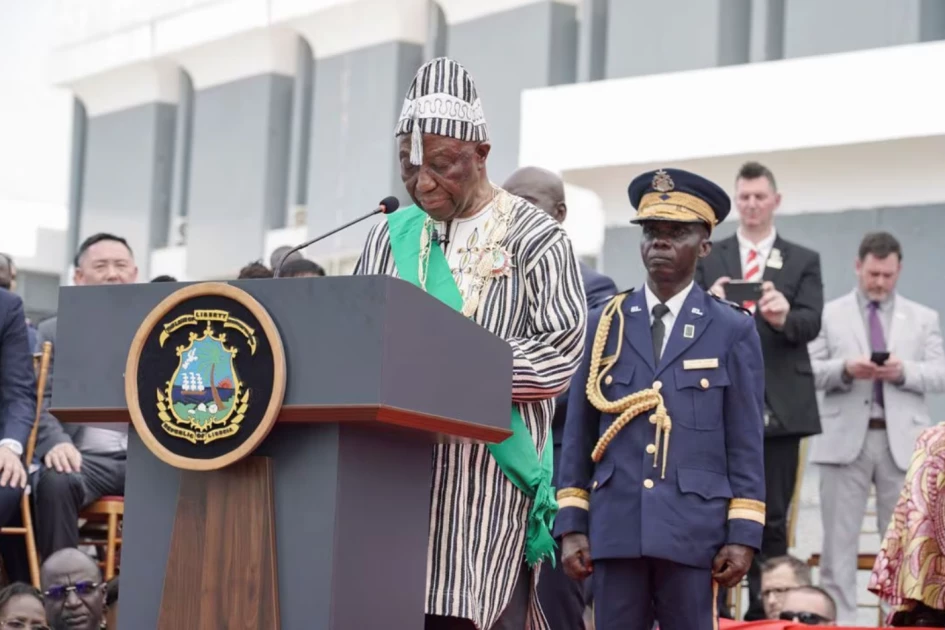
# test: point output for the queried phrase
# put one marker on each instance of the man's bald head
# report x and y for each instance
(75, 592)
(540, 187)
(67, 562)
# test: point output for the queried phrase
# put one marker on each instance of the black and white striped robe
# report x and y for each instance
(477, 516)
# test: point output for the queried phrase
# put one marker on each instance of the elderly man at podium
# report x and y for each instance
(510, 267)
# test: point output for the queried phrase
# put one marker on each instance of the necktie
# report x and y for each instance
(752, 274)
(878, 343)
(658, 330)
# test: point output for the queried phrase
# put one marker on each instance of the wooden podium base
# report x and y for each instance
(221, 569)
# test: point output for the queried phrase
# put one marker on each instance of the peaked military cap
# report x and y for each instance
(676, 195)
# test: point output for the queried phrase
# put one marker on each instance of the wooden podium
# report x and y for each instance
(324, 524)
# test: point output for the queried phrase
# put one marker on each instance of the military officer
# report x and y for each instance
(662, 472)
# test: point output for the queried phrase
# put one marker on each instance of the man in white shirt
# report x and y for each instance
(788, 317)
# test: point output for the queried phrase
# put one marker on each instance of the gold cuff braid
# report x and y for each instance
(749, 509)
(574, 498)
(628, 407)
(565, 493)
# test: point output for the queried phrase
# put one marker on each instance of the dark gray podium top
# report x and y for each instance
(363, 348)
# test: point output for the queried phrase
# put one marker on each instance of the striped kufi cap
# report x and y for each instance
(441, 100)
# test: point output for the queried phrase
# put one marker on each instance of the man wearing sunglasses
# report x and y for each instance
(73, 590)
(809, 605)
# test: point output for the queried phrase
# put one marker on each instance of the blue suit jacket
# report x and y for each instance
(598, 289)
(17, 379)
(713, 492)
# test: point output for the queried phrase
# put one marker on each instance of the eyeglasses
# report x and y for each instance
(806, 618)
(79, 588)
(19, 624)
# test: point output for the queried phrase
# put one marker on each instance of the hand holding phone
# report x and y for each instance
(740, 291)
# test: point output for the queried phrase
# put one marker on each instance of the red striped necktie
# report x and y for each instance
(752, 274)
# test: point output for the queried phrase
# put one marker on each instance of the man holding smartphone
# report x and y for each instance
(780, 282)
(877, 356)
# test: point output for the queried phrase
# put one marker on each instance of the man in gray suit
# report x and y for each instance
(873, 407)
(81, 463)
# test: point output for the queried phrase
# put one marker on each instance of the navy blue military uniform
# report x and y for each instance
(658, 509)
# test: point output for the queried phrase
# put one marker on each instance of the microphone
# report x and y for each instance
(440, 239)
(388, 205)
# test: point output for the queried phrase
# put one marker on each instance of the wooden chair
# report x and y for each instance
(795, 507)
(110, 512)
(41, 365)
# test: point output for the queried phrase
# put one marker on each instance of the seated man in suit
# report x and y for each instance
(877, 357)
(17, 401)
(562, 598)
(82, 464)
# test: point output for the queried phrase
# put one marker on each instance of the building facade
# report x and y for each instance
(211, 132)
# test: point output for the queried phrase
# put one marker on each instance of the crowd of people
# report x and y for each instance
(668, 416)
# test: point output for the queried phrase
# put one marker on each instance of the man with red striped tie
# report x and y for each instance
(788, 316)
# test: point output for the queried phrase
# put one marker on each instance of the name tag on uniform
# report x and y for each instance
(700, 364)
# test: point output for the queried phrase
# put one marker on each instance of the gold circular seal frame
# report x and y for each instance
(278, 385)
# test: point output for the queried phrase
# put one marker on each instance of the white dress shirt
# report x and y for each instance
(764, 249)
(674, 304)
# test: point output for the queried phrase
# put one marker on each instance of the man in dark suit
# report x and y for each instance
(17, 401)
(563, 600)
(788, 316)
(81, 464)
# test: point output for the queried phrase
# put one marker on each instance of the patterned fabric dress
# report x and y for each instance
(477, 516)
(910, 566)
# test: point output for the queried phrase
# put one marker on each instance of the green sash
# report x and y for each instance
(516, 456)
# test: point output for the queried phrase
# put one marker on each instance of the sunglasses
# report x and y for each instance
(19, 624)
(60, 593)
(806, 618)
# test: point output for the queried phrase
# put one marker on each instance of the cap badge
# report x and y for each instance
(662, 182)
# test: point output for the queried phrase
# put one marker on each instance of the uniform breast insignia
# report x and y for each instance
(700, 364)
(205, 377)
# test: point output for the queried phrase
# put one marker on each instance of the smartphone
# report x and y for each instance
(879, 358)
(739, 291)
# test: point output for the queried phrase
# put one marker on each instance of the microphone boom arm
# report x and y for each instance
(387, 206)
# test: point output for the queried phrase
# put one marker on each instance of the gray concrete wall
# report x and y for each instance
(239, 172)
(645, 37)
(836, 235)
(815, 27)
(528, 47)
(127, 176)
(40, 293)
(356, 104)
